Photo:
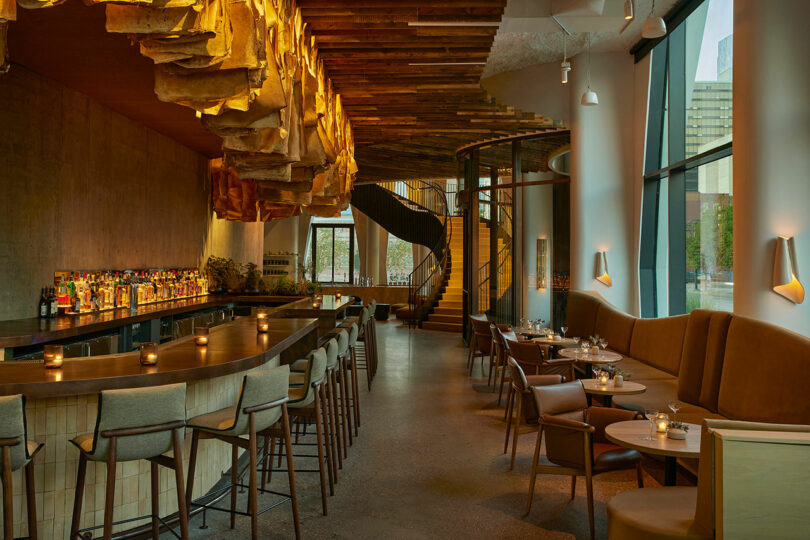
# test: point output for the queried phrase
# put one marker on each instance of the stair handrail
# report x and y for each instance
(424, 282)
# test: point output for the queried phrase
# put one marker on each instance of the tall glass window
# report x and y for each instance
(687, 256)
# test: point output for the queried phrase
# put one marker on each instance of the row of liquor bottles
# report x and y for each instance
(83, 292)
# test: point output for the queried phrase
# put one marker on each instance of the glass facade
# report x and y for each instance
(686, 259)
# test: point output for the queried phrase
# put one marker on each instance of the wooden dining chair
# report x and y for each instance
(497, 356)
(536, 358)
(520, 402)
(575, 440)
(503, 338)
(480, 342)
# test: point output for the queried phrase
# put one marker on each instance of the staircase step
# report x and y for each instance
(445, 304)
(442, 326)
(456, 319)
(439, 310)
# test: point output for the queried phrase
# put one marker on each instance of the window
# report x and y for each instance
(686, 258)
(398, 261)
(333, 253)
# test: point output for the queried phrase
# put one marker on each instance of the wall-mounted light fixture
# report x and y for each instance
(628, 10)
(601, 273)
(542, 258)
(786, 271)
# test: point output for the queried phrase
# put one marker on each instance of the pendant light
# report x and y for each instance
(628, 10)
(589, 97)
(565, 67)
(654, 27)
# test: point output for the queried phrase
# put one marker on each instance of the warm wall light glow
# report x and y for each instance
(601, 273)
(786, 272)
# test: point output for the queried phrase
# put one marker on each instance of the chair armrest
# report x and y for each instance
(564, 423)
(601, 417)
(560, 361)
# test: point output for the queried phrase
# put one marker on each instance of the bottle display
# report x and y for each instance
(86, 292)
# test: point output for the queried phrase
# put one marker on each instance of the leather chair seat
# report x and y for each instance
(221, 420)
(666, 513)
(609, 457)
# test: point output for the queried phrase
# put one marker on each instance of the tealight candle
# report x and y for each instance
(603, 378)
(53, 356)
(337, 295)
(661, 423)
(316, 304)
(149, 353)
(201, 335)
(262, 324)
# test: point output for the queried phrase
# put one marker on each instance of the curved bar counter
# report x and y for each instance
(62, 403)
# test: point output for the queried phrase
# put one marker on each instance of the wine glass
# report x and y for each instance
(603, 343)
(674, 406)
(596, 371)
(576, 341)
(564, 329)
(650, 414)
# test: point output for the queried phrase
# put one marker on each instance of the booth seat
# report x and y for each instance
(719, 365)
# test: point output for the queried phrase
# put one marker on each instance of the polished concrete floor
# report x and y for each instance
(428, 462)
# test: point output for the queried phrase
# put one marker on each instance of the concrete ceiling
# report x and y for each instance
(528, 35)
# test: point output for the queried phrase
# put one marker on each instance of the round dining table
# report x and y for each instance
(595, 388)
(562, 342)
(603, 357)
(633, 434)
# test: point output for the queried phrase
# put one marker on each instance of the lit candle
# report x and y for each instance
(201, 335)
(661, 423)
(603, 378)
(337, 295)
(53, 356)
(316, 304)
(262, 324)
(149, 353)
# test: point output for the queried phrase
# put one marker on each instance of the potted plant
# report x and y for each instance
(619, 375)
(252, 278)
(215, 271)
(677, 430)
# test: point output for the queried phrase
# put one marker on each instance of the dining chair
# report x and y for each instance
(526, 412)
(537, 358)
(16, 451)
(497, 357)
(575, 440)
(503, 336)
(480, 342)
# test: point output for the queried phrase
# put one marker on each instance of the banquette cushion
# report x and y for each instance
(658, 342)
(615, 326)
(580, 313)
(702, 361)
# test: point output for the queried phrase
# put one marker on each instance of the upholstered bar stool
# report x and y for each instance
(261, 404)
(135, 424)
(16, 451)
(347, 355)
(361, 353)
(308, 403)
(372, 325)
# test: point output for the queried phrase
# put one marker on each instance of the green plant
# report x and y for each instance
(215, 269)
(679, 425)
(252, 277)
(613, 370)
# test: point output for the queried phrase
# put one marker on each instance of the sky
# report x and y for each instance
(719, 24)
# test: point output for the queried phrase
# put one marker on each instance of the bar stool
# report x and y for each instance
(134, 424)
(349, 358)
(342, 379)
(308, 402)
(262, 403)
(372, 327)
(16, 451)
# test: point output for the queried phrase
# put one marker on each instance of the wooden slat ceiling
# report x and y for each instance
(412, 91)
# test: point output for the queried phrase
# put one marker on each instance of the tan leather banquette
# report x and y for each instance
(718, 364)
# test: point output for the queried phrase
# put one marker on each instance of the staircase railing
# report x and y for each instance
(427, 278)
(500, 215)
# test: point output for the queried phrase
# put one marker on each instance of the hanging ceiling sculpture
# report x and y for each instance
(254, 78)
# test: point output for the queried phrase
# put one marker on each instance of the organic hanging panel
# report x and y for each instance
(253, 76)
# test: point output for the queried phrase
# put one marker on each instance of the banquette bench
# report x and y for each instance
(719, 365)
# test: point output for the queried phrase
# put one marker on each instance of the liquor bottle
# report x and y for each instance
(54, 303)
(43, 305)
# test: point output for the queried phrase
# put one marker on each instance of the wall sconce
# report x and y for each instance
(601, 273)
(542, 254)
(786, 271)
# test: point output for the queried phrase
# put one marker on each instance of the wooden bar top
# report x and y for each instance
(22, 332)
(232, 347)
(330, 305)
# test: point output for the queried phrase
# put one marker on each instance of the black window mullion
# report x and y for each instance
(648, 284)
(677, 179)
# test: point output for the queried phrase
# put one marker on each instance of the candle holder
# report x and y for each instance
(661, 422)
(316, 304)
(201, 335)
(53, 356)
(149, 353)
(337, 295)
(262, 325)
(603, 378)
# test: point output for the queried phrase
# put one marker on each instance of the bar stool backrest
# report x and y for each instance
(138, 407)
(260, 388)
(315, 374)
(373, 310)
(343, 342)
(332, 351)
(12, 424)
(353, 335)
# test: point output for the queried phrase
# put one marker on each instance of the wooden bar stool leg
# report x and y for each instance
(78, 497)
(253, 494)
(192, 466)
(265, 460)
(345, 405)
(355, 392)
(329, 440)
(182, 507)
(331, 398)
(319, 435)
(8, 502)
(31, 500)
(109, 500)
(234, 480)
(155, 476)
(291, 470)
(340, 421)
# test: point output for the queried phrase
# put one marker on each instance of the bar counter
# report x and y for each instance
(232, 348)
(63, 403)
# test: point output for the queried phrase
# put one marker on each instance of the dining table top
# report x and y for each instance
(593, 386)
(632, 434)
(603, 357)
(561, 342)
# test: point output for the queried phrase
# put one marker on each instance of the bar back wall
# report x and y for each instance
(86, 188)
